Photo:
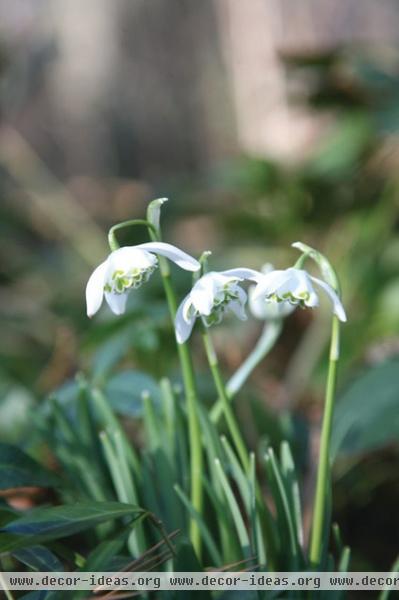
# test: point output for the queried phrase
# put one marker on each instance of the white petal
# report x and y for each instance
(203, 294)
(260, 291)
(183, 260)
(186, 305)
(268, 310)
(297, 284)
(242, 294)
(183, 323)
(337, 304)
(242, 274)
(269, 283)
(95, 289)
(256, 305)
(238, 309)
(130, 257)
(117, 302)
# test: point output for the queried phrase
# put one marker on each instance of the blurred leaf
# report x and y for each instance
(186, 561)
(205, 533)
(366, 415)
(7, 514)
(110, 353)
(285, 510)
(38, 558)
(44, 524)
(344, 147)
(17, 469)
(98, 559)
(124, 392)
(233, 507)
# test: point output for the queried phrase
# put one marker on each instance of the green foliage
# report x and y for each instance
(366, 417)
(53, 523)
(17, 469)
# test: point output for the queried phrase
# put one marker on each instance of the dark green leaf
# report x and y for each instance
(17, 469)
(38, 558)
(44, 524)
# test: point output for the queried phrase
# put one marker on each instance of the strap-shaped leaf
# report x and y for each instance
(45, 524)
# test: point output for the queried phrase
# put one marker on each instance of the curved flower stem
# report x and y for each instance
(323, 471)
(267, 339)
(225, 401)
(112, 241)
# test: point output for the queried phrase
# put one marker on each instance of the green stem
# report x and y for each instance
(224, 399)
(112, 241)
(323, 471)
(193, 417)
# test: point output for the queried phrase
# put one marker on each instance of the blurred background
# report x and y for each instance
(264, 122)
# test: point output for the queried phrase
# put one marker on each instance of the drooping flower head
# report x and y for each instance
(264, 310)
(295, 286)
(212, 296)
(128, 268)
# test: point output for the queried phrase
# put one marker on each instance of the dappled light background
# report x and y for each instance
(264, 122)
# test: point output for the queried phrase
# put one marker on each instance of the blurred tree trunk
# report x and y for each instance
(141, 86)
(255, 34)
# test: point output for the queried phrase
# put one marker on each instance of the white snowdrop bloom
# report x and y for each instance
(267, 311)
(295, 286)
(128, 268)
(214, 294)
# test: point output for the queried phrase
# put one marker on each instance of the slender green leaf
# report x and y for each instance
(284, 515)
(44, 524)
(234, 467)
(235, 511)
(205, 533)
(292, 487)
(255, 515)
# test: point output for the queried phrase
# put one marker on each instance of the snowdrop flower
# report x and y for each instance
(295, 286)
(267, 311)
(214, 294)
(128, 268)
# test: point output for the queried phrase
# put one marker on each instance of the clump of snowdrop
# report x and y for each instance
(128, 268)
(295, 287)
(213, 295)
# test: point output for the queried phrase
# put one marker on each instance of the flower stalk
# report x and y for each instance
(324, 467)
(152, 223)
(323, 471)
(225, 400)
(196, 459)
(190, 389)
